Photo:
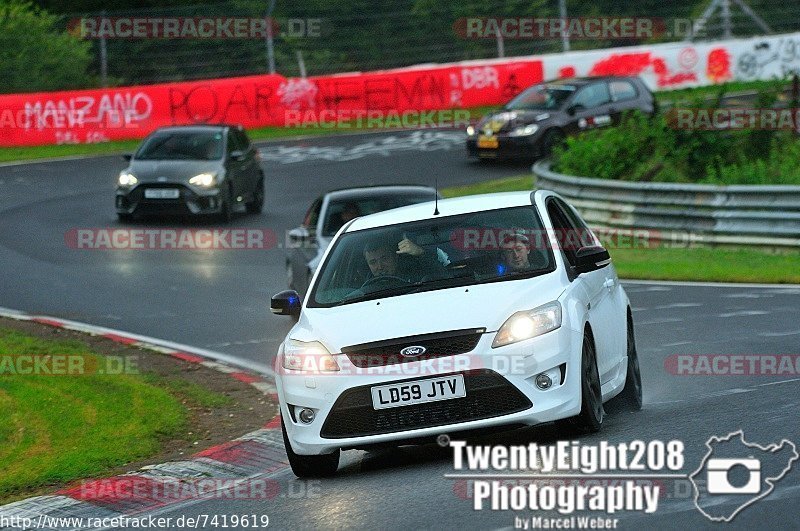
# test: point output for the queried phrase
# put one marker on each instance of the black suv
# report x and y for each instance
(539, 118)
(197, 169)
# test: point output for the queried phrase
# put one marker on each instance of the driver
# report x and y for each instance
(516, 252)
(405, 259)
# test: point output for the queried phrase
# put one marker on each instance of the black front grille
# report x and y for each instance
(137, 194)
(160, 206)
(436, 345)
(487, 395)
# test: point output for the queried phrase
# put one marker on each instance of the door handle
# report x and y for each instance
(609, 283)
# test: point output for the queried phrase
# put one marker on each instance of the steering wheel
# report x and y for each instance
(382, 278)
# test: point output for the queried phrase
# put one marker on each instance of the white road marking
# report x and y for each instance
(416, 141)
(743, 313)
(779, 382)
(779, 334)
(724, 392)
(239, 343)
(660, 321)
(678, 305)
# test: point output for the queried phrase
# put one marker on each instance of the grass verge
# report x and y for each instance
(708, 264)
(61, 427)
(711, 264)
(711, 91)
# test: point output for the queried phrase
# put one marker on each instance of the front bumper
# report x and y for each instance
(508, 147)
(190, 201)
(340, 402)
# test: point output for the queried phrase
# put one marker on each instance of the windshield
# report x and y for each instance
(475, 248)
(341, 211)
(541, 98)
(182, 145)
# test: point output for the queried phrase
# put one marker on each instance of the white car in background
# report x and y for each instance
(476, 313)
(306, 244)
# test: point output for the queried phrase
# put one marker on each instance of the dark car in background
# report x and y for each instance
(306, 244)
(198, 169)
(542, 116)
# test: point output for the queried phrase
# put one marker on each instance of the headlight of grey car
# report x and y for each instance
(526, 130)
(126, 179)
(204, 180)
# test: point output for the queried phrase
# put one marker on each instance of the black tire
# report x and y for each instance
(630, 399)
(310, 466)
(591, 416)
(552, 139)
(226, 211)
(124, 218)
(257, 204)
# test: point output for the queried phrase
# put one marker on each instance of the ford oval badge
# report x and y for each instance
(413, 351)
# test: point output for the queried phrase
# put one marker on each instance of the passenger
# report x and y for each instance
(337, 221)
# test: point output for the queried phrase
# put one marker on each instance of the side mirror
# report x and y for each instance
(237, 155)
(592, 258)
(572, 109)
(127, 156)
(286, 303)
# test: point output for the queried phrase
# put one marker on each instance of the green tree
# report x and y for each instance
(34, 55)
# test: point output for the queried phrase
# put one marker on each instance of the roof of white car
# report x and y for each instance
(447, 207)
(380, 190)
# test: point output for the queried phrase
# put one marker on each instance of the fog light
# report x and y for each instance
(543, 381)
(306, 415)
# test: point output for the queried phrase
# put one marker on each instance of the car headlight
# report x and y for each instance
(526, 130)
(309, 356)
(205, 180)
(127, 179)
(470, 131)
(528, 324)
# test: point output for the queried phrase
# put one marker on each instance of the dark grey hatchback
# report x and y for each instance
(198, 169)
(542, 116)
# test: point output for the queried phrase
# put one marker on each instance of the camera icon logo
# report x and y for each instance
(735, 474)
(718, 477)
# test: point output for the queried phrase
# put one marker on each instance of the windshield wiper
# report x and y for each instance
(446, 282)
(414, 287)
(396, 290)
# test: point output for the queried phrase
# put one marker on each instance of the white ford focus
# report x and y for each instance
(483, 312)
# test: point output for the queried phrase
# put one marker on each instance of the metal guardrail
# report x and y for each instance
(766, 216)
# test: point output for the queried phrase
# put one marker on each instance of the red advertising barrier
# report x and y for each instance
(100, 115)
